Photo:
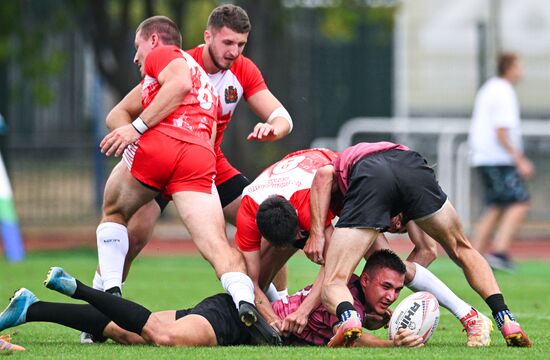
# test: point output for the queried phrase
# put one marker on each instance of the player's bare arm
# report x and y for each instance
(524, 165)
(126, 110)
(277, 122)
(252, 260)
(175, 81)
(297, 321)
(213, 136)
(321, 191)
(404, 337)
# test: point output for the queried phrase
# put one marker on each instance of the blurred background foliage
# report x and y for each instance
(65, 63)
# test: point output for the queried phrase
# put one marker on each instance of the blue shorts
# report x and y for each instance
(503, 185)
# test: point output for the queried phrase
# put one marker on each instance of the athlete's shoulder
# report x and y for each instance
(244, 64)
(248, 75)
(165, 50)
(196, 52)
(160, 57)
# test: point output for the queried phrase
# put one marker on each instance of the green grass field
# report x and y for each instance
(162, 283)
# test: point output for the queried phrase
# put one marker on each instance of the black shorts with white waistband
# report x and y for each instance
(387, 183)
(222, 314)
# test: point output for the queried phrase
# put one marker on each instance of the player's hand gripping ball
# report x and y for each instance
(418, 312)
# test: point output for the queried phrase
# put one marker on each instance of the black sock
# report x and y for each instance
(83, 317)
(114, 291)
(345, 310)
(496, 303)
(499, 309)
(125, 313)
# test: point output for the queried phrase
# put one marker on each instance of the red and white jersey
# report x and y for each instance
(290, 178)
(192, 121)
(243, 79)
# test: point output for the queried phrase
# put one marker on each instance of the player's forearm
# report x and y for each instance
(281, 126)
(117, 118)
(168, 99)
(313, 299)
(126, 110)
(264, 306)
(320, 199)
(369, 340)
(213, 136)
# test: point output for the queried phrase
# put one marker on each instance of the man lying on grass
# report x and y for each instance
(214, 321)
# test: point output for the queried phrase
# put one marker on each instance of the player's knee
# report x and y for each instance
(158, 337)
(428, 254)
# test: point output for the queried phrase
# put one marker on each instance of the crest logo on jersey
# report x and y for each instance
(231, 95)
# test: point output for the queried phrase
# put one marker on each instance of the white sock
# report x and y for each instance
(239, 286)
(283, 293)
(112, 247)
(424, 280)
(272, 293)
(98, 282)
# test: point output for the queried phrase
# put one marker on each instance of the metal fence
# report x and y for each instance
(443, 141)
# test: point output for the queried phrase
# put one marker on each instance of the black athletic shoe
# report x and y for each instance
(261, 332)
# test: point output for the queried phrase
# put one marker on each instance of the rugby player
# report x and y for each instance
(215, 320)
(383, 186)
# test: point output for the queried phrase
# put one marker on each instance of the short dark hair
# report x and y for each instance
(277, 221)
(505, 62)
(167, 30)
(384, 258)
(232, 16)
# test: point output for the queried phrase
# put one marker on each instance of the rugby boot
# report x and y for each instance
(60, 281)
(348, 332)
(16, 311)
(478, 328)
(261, 332)
(513, 334)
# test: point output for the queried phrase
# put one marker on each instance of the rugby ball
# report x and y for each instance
(418, 312)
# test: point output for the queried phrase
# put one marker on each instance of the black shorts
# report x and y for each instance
(503, 185)
(228, 191)
(221, 313)
(387, 183)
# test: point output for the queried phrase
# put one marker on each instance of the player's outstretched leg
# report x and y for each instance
(25, 307)
(16, 311)
(125, 313)
(477, 326)
(227, 261)
(445, 227)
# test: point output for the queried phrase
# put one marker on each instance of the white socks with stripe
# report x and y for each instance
(112, 247)
(424, 280)
(239, 286)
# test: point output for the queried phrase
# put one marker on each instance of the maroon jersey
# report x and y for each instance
(318, 330)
